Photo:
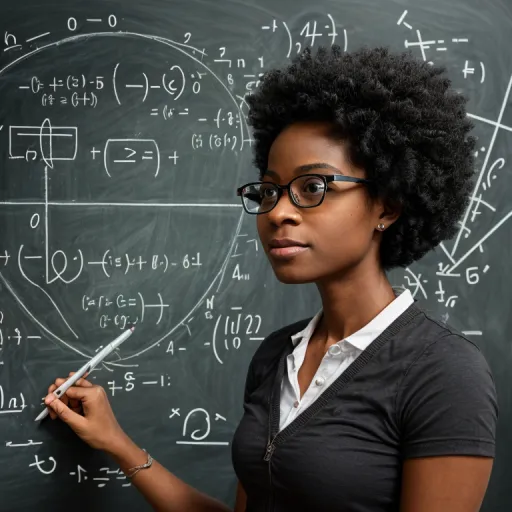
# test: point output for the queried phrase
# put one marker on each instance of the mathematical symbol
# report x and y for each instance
(401, 19)
(267, 27)
(11, 42)
(255, 243)
(223, 60)
(79, 473)
(422, 44)
(38, 37)
(101, 479)
(56, 84)
(154, 111)
(113, 387)
(467, 71)
(162, 383)
(450, 302)
(140, 263)
(128, 158)
(175, 412)
(94, 151)
(174, 157)
(38, 463)
(471, 71)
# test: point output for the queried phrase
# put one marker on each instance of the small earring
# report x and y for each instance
(381, 227)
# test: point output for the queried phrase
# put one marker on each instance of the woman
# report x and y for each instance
(372, 405)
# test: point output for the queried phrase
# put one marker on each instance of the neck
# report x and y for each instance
(351, 301)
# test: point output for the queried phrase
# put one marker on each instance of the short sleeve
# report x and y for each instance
(447, 403)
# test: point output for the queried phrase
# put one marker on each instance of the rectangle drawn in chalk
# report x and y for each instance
(46, 142)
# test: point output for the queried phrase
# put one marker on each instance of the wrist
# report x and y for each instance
(125, 452)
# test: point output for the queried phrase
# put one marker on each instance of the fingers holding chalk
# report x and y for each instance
(74, 404)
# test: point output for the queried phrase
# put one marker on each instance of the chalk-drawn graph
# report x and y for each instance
(45, 146)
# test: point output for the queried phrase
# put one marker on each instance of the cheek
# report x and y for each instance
(344, 235)
(261, 224)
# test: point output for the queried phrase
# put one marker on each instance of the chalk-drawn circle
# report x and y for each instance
(72, 24)
(46, 129)
(34, 220)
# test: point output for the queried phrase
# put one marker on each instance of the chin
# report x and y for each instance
(292, 275)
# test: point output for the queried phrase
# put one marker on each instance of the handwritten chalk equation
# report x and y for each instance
(11, 404)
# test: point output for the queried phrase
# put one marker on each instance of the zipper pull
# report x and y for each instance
(269, 451)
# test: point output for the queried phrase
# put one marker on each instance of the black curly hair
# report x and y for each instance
(403, 124)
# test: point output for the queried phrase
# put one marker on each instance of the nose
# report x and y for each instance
(284, 211)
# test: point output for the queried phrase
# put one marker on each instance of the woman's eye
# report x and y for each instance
(314, 187)
(267, 193)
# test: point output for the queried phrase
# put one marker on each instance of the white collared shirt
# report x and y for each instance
(336, 360)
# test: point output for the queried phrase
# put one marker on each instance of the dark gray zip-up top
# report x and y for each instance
(419, 389)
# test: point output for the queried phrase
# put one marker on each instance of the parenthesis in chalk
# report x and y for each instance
(114, 83)
(104, 263)
(142, 306)
(214, 338)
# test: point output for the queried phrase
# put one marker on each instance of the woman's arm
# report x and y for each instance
(99, 428)
(241, 499)
(161, 489)
(447, 409)
(444, 484)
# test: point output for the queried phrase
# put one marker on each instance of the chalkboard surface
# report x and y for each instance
(123, 136)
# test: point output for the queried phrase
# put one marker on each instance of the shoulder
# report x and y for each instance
(448, 372)
(446, 402)
(445, 347)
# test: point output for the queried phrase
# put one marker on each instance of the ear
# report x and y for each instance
(387, 213)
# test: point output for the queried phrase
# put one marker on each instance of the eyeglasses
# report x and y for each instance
(305, 191)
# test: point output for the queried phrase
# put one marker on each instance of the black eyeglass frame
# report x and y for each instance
(327, 178)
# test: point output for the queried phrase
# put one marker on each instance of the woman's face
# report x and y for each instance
(333, 237)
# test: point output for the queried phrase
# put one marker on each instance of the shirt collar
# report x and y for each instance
(364, 336)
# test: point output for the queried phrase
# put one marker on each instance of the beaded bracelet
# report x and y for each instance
(133, 471)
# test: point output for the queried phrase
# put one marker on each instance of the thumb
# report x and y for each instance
(68, 416)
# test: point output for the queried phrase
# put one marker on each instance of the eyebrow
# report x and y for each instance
(306, 168)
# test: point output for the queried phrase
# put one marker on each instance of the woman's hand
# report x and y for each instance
(86, 409)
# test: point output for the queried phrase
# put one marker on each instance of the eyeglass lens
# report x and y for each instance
(307, 191)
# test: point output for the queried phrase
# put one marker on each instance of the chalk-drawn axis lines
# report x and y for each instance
(497, 126)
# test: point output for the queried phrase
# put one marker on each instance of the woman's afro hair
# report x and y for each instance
(402, 123)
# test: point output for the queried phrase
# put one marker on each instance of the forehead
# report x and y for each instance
(303, 143)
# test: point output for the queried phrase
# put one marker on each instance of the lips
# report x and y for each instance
(286, 248)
